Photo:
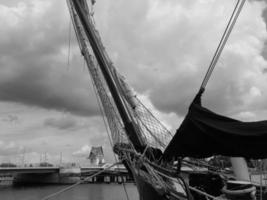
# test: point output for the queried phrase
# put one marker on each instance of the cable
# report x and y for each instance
(223, 41)
(219, 46)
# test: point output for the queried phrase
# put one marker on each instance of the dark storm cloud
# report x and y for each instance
(160, 47)
(40, 87)
(33, 68)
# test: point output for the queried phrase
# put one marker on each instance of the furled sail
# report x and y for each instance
(204, 133)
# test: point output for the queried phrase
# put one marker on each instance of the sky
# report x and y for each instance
(163, 48)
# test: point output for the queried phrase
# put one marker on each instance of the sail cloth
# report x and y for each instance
(204, 133)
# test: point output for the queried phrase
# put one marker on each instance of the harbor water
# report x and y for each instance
(81, 192)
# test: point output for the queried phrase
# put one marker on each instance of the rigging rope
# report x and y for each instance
(226, 34)
(78, 183)
(100, 105)
(190, 187)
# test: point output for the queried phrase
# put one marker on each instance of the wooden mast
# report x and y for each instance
(103, 61)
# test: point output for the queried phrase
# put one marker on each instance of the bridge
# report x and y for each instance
(49, 170)
(42, 175)
(27, 170)
(65, 175)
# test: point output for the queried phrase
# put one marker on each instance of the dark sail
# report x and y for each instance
(204, 133)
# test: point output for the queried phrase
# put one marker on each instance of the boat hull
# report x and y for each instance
(148, 191)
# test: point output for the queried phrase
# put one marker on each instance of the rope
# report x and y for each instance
(78, 183)
(226, 34)
(190, 187)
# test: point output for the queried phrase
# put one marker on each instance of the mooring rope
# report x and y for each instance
(78, 183)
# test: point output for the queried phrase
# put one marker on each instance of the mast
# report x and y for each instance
(240, 168)
(104, 64)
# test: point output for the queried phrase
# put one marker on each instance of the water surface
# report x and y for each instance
(81, 192)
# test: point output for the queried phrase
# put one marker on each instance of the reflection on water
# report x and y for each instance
(81, 192)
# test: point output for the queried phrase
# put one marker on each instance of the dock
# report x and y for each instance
(64, 174)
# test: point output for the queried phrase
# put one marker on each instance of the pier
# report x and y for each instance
(64, 175)
(117, 174)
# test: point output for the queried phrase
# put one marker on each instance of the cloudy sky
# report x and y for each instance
(47, 104)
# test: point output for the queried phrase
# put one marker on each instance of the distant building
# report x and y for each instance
(96, 156)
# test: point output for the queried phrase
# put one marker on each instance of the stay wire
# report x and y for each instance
(228, 34)
(203, 85)
(223, 41)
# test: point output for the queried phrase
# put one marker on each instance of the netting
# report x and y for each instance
(153, 133)
(107, 105)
